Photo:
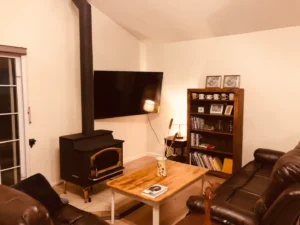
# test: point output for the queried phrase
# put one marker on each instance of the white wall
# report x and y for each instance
(268, 63)
(116, 49)
(49, 29)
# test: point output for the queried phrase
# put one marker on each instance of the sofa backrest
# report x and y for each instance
(285, 173)
(17, 208)
(39, 188)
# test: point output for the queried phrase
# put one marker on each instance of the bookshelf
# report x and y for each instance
(207, 124)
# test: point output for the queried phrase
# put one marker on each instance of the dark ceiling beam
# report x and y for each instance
(86, 64)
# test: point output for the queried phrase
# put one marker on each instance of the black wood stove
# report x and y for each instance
(91, 156)
(87, 160)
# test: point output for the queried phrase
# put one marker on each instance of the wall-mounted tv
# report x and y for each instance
(123, 93)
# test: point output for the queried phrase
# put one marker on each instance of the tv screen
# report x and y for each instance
(123, 93)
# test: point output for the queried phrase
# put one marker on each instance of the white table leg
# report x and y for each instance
(112, 206)
(156, 214)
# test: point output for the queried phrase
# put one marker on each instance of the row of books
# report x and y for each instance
(197, 123)
(196, 141)
(211, 163)
(206, 161)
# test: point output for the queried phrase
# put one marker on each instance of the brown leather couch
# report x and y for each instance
(266, 191)
(33, 202)
(17, 208)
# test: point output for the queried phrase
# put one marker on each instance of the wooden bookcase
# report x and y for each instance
(228, 140)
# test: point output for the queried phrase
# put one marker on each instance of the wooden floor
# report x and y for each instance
(171, 211)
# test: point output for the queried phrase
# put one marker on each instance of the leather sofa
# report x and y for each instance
(33, 202)
(266, 191)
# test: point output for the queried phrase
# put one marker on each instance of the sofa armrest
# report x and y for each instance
(267, 155)
(285, 209)
(17, 208)
(195, 203)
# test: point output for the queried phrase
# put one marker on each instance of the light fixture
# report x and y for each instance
(149, 105)
(179, 136)
(179, 121)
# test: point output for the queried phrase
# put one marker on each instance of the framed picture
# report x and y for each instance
(216, 109)
(200, 109)
(213, 81)
(228, 110)
(231, 81)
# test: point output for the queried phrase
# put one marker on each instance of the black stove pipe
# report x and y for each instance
(86, 66)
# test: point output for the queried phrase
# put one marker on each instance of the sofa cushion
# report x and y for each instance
(235, 198)
(286, 172)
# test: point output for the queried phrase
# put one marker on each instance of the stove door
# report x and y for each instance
(105, 160)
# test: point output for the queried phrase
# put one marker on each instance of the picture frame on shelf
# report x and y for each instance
(200, 109)
(213, 82)
(228, 110)
(216, 109)
(231, 81)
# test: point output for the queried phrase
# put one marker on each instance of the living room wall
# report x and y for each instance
(49, 29)
(268, 62)
(115, 49)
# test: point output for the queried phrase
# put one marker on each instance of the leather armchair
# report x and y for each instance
(266, 191)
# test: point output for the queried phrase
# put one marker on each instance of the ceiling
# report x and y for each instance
(179, 20)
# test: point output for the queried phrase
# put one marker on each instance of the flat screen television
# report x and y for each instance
(123, 93)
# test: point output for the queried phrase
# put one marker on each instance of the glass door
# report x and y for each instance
(12, 148)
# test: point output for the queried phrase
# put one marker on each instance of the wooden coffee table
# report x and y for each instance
(179, 176)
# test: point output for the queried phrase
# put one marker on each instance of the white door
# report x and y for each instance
(12, 129)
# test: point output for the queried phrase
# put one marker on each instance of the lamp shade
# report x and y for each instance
(149, 105)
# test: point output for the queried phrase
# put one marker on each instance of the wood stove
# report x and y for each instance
(87, 160)
(92, 156)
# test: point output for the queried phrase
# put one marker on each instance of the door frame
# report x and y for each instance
(22, 91)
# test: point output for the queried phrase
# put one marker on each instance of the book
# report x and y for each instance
(227, 166)
(218, 163)
(155, 190)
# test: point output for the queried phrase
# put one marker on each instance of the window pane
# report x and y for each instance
(9, 155)
(9, 127)
(7, 73)
(8, 100)
(10, 177)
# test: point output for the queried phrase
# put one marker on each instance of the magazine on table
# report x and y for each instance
(155, 190)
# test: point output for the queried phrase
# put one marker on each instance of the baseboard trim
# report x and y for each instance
(134, 158)
(55, 183)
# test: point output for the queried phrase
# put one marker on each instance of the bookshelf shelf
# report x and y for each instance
(207, 114)
(228, 144)
(219, 174)
(195, 148)
(212, 132)
(211, 100)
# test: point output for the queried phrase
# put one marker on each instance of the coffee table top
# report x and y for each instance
(179, 176)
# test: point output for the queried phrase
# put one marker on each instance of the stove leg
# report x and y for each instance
(65, 187)
(85, 194)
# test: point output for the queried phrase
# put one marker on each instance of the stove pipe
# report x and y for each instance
(86, 65)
